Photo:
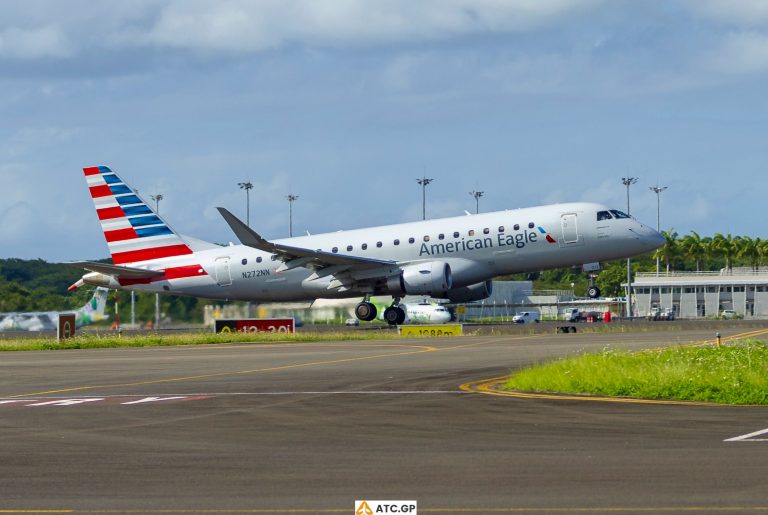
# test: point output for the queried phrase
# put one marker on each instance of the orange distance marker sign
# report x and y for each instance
(255, 325)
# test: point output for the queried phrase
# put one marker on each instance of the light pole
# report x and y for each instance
(157, 198)
(247, 186)
(629, 181)
(657, 190)
(291, 200)
(424, 183)
(477, 195)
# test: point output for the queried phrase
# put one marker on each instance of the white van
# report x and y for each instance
(526, 317)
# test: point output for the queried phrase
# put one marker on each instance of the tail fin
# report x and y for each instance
(93, 311)
(134, 232)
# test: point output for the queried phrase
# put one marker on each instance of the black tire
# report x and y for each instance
(365, 311)
(593, 292)
(394, 315)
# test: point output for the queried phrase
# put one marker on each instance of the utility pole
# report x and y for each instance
(247, 186)
(157, 198)
(477, 195)
(291, 200)
(424, 183)
(657, 190)
(629, 181)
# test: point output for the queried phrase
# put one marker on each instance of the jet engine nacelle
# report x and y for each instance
(428, 278)
(98, 279)
(469, 293)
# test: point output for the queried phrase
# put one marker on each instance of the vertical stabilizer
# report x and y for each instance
(134, 232)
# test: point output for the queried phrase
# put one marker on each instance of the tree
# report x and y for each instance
(694, 247)
(670, 250)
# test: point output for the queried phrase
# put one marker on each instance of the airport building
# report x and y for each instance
(702, 294)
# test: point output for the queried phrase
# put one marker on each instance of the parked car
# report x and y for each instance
(352, 322)
(526, 317)
(728, 313)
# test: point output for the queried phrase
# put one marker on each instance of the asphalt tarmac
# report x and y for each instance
(310, 428)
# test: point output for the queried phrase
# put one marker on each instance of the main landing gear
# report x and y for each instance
(366, 311)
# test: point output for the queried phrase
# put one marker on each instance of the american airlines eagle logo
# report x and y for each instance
(548, 236)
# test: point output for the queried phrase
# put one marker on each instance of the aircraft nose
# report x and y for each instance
(652, 237)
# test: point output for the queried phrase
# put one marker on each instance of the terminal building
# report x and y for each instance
(702, 294)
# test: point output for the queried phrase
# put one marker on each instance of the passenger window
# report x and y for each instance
(530, 225)
(456, 234)
(426, 238)
(471, 232)
(441, 236)
(517, 227)
(619, 214)
(411, 240)
(244, 261)
(603, 215)
(258, 259)
(486, 231)
(378, 244)
(501, 228)
(364, 246)
(397, 242)
(335, 250)
(349, 248)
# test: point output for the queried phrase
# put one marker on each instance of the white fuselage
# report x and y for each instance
(477, 248)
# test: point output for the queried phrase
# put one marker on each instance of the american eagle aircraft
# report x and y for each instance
(92, 312)
(453, 258)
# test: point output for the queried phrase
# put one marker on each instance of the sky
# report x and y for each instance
(346, 103)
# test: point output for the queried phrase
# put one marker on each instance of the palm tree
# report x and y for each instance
(694, 247)
(669, 250)
(725, 246)
(748, 249)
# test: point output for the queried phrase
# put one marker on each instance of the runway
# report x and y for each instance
(310, 428)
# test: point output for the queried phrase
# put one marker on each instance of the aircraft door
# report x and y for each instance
(223, 275)
(570, 227)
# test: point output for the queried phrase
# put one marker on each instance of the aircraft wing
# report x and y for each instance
(294, 257)
(116, 271)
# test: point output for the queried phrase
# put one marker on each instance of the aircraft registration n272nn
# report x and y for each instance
(453, 258)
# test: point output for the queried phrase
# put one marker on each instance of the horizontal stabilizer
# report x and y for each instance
(124, 272)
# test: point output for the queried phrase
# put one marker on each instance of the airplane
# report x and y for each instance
(92, 312)
(425, 313)
(453, 258)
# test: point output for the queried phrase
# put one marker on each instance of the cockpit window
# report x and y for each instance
(619, 214)
(603, 215)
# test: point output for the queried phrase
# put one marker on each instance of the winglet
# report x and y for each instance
(245, 234)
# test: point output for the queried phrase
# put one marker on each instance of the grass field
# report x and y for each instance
(732, 374)
(203, 338)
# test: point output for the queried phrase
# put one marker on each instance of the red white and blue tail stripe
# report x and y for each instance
(134, 232)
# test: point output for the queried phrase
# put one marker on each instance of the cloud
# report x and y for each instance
(742, 12)
(740, 52)
(244, 26)
(47, 41)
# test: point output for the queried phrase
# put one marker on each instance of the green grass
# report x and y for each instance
(86, 341)
(733, 374)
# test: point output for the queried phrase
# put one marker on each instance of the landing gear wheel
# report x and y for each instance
(365, 311)
(593, 292)
(394, 315)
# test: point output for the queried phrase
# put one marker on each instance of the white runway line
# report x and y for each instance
(748, 437)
